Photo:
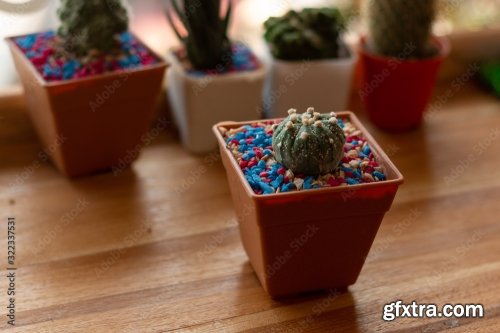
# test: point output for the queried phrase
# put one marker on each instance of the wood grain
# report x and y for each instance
(156, 248)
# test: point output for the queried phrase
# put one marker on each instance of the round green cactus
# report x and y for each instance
(313, 33)
(309, 143)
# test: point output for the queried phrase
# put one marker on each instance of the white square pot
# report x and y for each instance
(198, 103)
(323, 84)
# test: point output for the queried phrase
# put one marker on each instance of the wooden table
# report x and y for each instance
(156, 248)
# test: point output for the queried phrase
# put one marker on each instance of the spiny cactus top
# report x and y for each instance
(206, 42)
(401, 28)
(310, 143)
(91, 24)
(313, 33)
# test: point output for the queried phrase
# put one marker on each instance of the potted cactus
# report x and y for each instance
(211, 78)
(92, 83)
(310, 192)
(307, 52)
(400, 60)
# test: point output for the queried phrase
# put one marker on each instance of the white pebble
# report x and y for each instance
(298, 183)
(366, 175)
(352, 153)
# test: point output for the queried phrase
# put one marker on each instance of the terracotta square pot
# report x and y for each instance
(94, 123)
(312, 239)
(198, 103)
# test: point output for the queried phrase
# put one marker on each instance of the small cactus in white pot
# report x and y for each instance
(211, 78)
(308, 51)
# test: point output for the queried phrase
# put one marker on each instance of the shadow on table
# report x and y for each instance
(328, 310)
(331, 310)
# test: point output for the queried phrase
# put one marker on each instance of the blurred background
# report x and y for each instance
(472, 25)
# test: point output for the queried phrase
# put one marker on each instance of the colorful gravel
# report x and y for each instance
(45, 51)
(251, 145)
(243, 59)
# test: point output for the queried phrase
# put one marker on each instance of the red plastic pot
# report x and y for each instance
(396, 92)
(81, 139)
(313, 239)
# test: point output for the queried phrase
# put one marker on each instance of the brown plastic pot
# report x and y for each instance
(312, 239)
(94, 123)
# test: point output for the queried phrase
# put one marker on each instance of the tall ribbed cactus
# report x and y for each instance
(91, 24)
(313, 33)
(206, 41)
(401, 28)
(309, 143)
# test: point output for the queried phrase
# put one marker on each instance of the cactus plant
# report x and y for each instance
(313, 33)
(401, 28)
(206, 42)
(310, 143)
(91, 24)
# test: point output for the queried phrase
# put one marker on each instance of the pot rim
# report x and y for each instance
(375, 147)
(177, 66)
(162, 64)
(441, 41)
(349, 59)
